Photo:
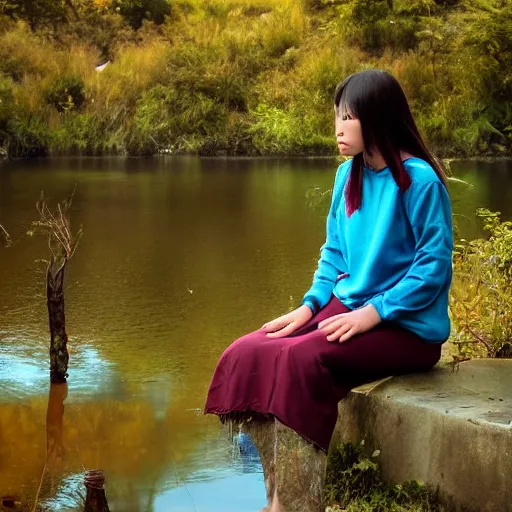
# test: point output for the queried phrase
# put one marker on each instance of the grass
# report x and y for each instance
(353, 484)
(255, 78)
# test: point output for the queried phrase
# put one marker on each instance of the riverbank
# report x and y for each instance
(221, 78)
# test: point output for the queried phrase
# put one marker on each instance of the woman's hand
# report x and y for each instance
(289, 323)
(342, 327)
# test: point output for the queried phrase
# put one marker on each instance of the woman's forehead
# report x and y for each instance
(342, 109)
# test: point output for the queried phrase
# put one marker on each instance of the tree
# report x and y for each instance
(62, 245)
(136, 11)
(37, 13)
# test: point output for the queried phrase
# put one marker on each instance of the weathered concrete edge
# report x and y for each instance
(469, 463)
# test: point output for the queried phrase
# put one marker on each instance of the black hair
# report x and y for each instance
(376, 98)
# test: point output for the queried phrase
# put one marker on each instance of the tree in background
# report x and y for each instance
(37, 13)
(136, 11)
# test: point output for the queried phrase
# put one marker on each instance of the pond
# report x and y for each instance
(179, 257)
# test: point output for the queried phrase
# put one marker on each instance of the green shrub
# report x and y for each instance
(23, 53)
(353, 483)
(137, 11)
(37, 13)
(481, 297)
(290, 131)
(7, 107)
(28, 136)
(173, 118)
(66, 93)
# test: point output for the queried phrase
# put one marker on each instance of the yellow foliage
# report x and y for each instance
(102, 4)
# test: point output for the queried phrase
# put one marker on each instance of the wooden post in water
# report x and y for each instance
(96, 500)
(62, 245)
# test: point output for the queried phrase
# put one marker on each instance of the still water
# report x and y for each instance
(179, 257)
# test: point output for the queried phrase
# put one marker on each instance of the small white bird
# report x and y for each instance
(103, 66)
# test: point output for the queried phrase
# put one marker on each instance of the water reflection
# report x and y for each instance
(149, 459)
(25, 372)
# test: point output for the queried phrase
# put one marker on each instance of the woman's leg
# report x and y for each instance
(262, 433)
(293, 468)
(300, 472)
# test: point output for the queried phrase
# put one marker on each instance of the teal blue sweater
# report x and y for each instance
(395, 252)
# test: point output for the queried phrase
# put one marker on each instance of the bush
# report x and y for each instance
(481, 297)
(7, 108)
(66, 93)
(37, 13)
(137, 11)
(174, 118)
(23, 53)
(291, 131)
(28, 136)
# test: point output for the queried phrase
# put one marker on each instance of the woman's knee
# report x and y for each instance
(247, 342)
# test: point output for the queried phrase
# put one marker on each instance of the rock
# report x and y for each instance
(442, 428)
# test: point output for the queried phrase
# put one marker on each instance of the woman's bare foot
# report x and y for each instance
(275, 506)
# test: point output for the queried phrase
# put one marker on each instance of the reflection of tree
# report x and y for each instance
(137, 448)
(52, 469)
(95, 500)
(54, 425)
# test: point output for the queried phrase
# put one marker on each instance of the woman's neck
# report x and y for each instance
(376, 162)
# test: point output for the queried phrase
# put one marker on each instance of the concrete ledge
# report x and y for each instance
(452, 430)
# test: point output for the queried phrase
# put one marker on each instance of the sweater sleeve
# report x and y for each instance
(429, 211)
(332, 263)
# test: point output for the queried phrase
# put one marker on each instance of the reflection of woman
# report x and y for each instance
(378, 304)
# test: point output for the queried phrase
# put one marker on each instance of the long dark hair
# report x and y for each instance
(376, 98)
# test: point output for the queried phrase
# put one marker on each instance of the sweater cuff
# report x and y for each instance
(312, 304)
(377, 303)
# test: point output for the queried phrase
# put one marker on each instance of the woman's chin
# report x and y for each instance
(345, 151)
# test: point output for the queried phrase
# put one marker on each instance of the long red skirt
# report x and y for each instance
(299, 379)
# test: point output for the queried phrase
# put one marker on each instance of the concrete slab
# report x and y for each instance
(452, 430)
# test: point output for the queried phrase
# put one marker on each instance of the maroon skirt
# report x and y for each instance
(299, 379)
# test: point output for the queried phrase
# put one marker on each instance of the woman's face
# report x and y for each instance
(349, 135)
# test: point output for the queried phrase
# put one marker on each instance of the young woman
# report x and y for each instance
(378, 305)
